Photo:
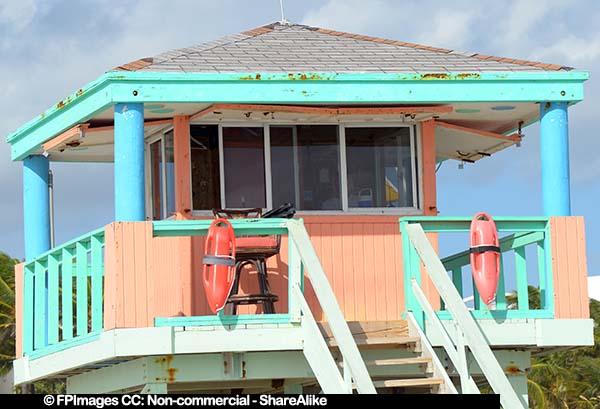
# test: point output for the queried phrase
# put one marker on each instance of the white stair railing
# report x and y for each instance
(473, 336)
(439, 371)
(317, 352)
(353, 361)
(457, 358)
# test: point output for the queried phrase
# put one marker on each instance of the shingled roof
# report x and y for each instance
(286, 47)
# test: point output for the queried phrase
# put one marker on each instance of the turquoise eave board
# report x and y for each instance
(294, 88)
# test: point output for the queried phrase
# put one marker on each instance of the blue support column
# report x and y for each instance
(554, 148)
(129, 162)
(36, 205)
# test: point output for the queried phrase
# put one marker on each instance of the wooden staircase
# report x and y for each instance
(394, 357)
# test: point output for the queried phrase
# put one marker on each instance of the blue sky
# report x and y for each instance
(48, 48)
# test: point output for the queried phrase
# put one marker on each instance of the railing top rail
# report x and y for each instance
(99, 232)
(425, 219)
(462, 223)
(507, 243)
(174, 228)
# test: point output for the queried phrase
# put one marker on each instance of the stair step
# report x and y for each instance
(373, 342)
(399, 361)
(402, 383)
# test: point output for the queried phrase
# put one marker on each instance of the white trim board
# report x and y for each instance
(530, 333)
(122, 343)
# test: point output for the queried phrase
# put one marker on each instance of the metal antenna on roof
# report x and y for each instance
(283, 20)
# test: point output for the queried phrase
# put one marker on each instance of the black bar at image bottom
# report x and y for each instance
(249, 401)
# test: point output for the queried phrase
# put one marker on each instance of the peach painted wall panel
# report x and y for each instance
(361, 256)
(569, 267)
(145, 276)
(148, 277)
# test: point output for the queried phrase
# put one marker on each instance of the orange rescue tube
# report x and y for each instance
(219, 264)
(485, 256)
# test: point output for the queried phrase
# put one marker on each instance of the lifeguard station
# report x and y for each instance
(350, 129)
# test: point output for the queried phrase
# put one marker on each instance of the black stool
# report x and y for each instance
(254, 252)
(264, 296)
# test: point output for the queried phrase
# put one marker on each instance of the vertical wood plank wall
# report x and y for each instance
(362, 258)
(144, 277)
(148, 277)
(569, 267)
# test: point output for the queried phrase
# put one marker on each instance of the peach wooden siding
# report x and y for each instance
(19, 310)
(145, 276)
(148, 277)
(569, 267)
(361, 256)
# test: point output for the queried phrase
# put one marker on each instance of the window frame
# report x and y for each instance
(416, 159)
(266, 155)
(416, 188)
(158, 136)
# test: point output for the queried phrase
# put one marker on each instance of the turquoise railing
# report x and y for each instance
(63, 295)
(518, 235)
(467, 333)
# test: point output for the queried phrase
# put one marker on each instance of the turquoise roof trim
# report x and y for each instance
(294, 88)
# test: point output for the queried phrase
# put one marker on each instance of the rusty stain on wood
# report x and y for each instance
(165, 363)
(513, 369)
(435, 76)
(171, 372)
(468, 75)
(446, 76)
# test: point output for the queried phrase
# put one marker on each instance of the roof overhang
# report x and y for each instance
(293, 88)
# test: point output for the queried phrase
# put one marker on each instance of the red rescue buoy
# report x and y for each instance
(219, 264)
(485, 256)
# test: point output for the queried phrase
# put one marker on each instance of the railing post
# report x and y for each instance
(67, 292)
(97, 269)
(294, 279)
(129, 162)
(411, 265)
(28, 313)
(522, 284)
